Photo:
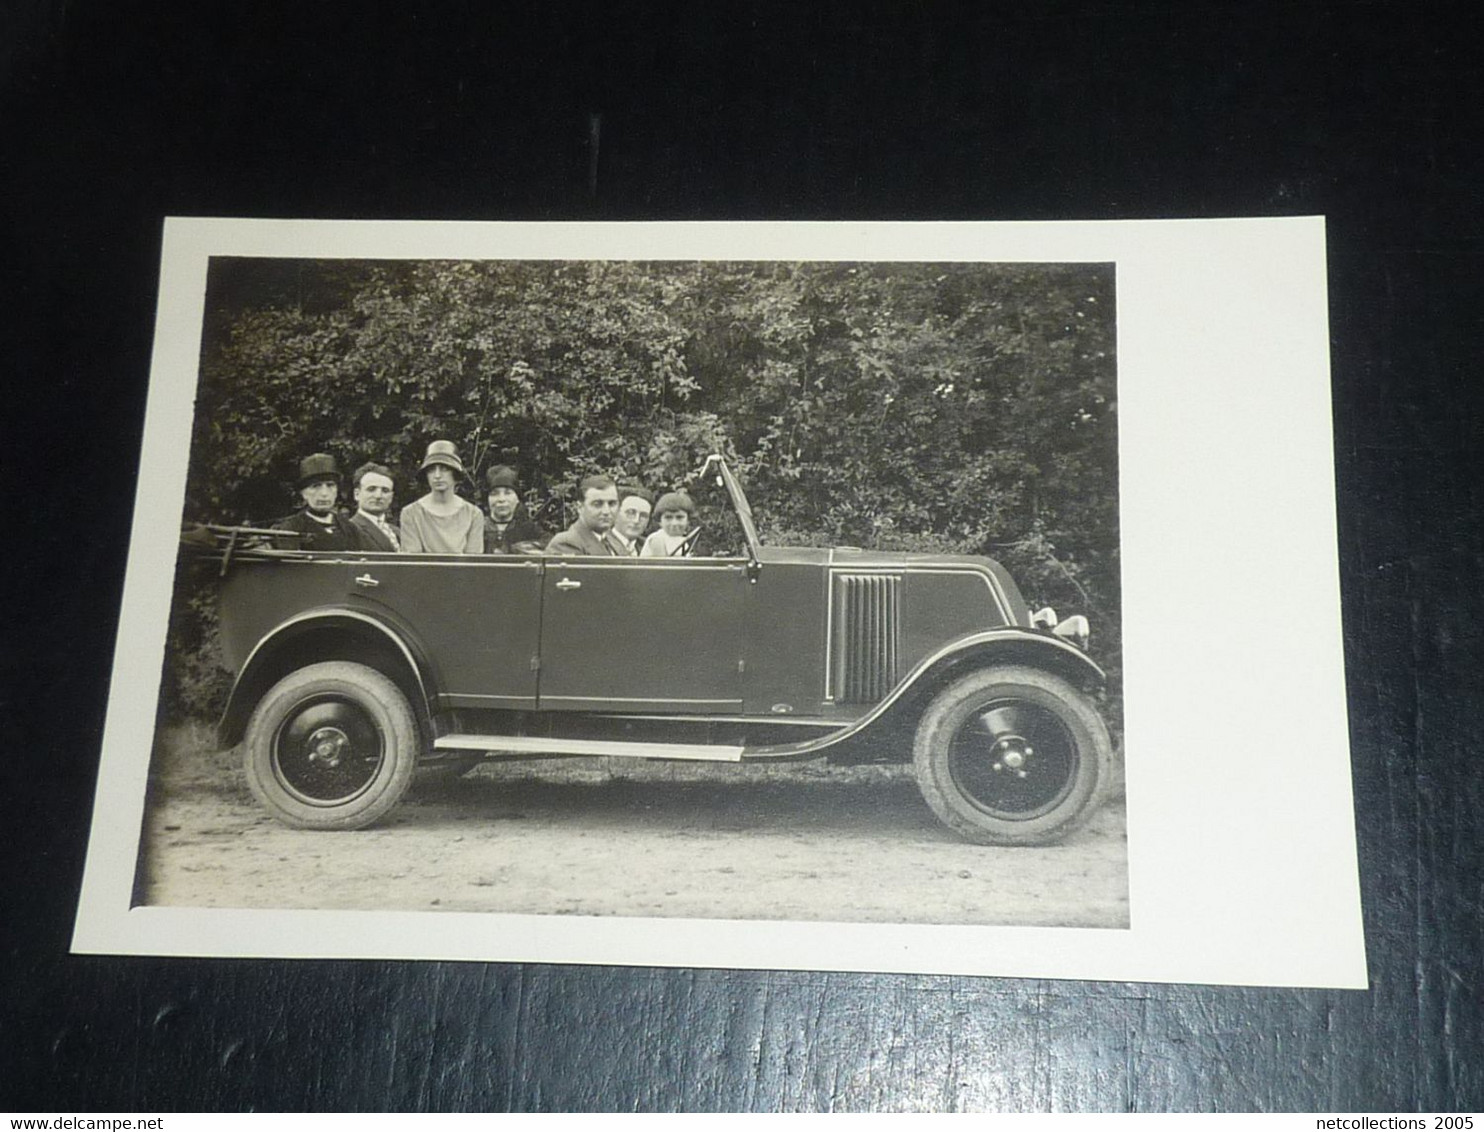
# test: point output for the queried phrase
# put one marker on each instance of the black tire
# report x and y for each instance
(1012, 756)
(331, 746)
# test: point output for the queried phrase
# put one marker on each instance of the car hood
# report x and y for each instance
(845, 557)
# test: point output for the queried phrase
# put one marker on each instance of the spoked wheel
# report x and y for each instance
(331, 746)
(1012, 756)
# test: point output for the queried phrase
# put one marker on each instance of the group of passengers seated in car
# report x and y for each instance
(610, 520)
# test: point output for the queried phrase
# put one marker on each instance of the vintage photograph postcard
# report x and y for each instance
(941, 598)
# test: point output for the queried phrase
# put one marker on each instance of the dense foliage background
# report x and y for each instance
(962, 407)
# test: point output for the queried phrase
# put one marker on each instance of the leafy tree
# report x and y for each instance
(960, 407)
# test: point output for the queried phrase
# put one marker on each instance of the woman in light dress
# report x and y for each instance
(440, 522)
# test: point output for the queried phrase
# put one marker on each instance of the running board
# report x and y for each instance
(538, 745)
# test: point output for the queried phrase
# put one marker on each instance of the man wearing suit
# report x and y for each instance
(595, 514)
(372, 486)
(631, 521)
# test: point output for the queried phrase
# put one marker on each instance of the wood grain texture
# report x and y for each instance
(116, 115)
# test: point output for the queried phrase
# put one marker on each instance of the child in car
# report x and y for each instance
(675, 538)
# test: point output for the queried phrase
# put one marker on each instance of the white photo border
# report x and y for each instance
(1241, 843)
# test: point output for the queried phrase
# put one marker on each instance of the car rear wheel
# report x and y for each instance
(331, 746)
(1012, 756)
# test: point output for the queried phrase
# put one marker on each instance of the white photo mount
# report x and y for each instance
(1241, 844)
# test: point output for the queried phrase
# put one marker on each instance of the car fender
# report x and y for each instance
(1011, 644)
(1007, 645)
(329, 633)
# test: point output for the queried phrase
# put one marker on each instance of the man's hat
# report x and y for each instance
(502, 475)
(442, 452)
(320, 466)
(675, 501)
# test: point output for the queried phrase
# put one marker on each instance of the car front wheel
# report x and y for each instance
(331, 746)
(1012, 756)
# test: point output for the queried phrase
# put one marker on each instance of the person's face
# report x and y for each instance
(440, 478)
(320, 495)
(374, 494)
(502, 503)
(675, 522)
(633, 517)
(597, 509)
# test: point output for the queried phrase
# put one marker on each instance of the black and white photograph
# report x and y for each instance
(1048, 679)
(801, 556)
(655, 592)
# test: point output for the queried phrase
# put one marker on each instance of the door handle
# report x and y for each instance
(367, 581)
(568, 584)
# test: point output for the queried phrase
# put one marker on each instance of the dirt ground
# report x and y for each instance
(601, 837)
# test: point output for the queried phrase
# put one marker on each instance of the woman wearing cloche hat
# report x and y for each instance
(509, 528)
(317, 525)
(440, 522)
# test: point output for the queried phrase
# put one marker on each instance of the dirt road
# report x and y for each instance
(597, 837)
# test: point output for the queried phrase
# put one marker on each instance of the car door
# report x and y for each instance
(476, 619)
(644, 634)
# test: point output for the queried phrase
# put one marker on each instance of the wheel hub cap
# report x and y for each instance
(1012, 753)
(1013, 759)
(328, 751)
(326, 746)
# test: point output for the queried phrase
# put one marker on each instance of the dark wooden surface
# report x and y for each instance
(113, 115)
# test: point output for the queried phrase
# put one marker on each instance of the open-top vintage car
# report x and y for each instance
(356, 669)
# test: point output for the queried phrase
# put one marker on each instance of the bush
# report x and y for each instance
(194, 685)
(959, 407)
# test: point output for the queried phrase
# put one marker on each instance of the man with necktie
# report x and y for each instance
(629, 525)
(373, 489)
(595, 512)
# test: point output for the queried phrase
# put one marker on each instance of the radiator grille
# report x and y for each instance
(867, 615)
